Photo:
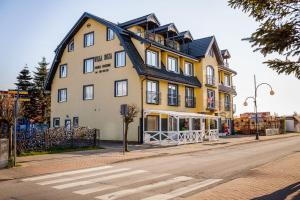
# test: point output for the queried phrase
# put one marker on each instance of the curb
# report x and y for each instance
(199, 150)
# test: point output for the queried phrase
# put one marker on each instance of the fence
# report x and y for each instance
(57, 138)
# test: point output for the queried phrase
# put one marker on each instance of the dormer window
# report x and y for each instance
(110, 34)
(152, 58)
(71, 46)
(173, 64)
(188, 69)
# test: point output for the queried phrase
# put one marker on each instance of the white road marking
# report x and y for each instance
(66, 173)
(105, 187)
(96, 180)
(183, 190)
(82, 176)
(122, 193)
(95, 189)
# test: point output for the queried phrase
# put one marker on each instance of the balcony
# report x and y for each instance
(159, 39)
(173, 100)
(190, 102)
(171, 44)
(227, 89)
(152, 97)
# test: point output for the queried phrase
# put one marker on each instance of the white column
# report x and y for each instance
(160, 128)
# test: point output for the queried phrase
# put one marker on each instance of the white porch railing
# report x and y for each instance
(179, 137)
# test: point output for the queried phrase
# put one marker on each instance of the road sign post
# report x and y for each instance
(124, 113)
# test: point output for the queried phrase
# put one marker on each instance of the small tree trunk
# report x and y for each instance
(125, 137)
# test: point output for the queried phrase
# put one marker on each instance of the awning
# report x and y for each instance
(180, 114)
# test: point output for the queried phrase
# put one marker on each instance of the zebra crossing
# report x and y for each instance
(110, 182)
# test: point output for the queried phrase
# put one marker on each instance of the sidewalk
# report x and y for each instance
(276, 180)
(41, 164)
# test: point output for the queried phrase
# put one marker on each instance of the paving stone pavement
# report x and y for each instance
(276, 180)
(42, 164)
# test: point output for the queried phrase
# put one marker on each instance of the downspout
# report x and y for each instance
(141, 138)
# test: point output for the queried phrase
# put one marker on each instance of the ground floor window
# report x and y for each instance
(56, 122)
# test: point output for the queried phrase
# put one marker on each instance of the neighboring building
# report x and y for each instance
(292, 123)
(246, 123)
(100, 65)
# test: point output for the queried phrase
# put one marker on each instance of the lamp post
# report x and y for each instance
(255, 102)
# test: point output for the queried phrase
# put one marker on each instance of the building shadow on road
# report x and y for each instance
(283, 193)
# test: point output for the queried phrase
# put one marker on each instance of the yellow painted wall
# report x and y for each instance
(103, 111)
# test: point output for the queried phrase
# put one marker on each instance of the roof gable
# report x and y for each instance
(140, 20)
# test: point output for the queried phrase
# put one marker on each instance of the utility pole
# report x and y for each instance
(16, 121)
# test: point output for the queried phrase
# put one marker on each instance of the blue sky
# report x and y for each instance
(32, 29)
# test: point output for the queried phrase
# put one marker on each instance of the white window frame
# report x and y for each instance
(60, 98)
(63, 71)
(227, 81)
(188, 72)
(85, 66)
(110, 34)
(210, 75)
(171, 67)
(89, 39)
(120, 61)
(152, 92)
(152, 58)
(85, 95)
(121, 88)
(56, 119)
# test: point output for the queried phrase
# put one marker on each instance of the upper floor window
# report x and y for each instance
(121, 88)
(152, 92)
(210, 75)
(173, 64)
(71, 46)
(88, 92)
(110, 34)
(189, 97)
(188, 69)
(152, 58)
(210, 99)
(63, 71)
(89, 39)
(227, 80)
(173, 99)
(227, 102)
(120, 59)
(88, 65)
(62, 95)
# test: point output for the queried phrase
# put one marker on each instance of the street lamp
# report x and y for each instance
(255, 102)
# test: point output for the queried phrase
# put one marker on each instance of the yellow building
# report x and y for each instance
(178, 83)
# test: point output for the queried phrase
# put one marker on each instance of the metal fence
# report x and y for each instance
(57, 138)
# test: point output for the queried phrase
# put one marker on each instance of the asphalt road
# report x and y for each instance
(172, 177)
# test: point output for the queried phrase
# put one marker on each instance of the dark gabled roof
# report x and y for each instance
(125, 38)
(139, 20)
(225, 53)
(183, 35)
(165, 28)
(200, 47)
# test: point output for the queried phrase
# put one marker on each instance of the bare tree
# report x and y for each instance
(7, 105)
(129, 118)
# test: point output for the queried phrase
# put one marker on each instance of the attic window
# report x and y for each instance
(211, 53)
(71, 46)
(88, 25)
